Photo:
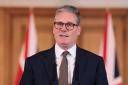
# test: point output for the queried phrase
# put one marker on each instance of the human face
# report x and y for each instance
(66, 38)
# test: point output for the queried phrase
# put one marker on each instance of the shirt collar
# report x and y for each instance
(59, 51)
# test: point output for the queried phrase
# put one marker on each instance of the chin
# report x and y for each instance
(64, 45)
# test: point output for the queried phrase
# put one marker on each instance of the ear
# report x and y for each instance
(53, 30)
(79, 30)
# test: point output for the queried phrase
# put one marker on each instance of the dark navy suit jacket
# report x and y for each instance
(40, 69)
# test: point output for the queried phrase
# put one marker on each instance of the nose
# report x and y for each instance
(64, 29)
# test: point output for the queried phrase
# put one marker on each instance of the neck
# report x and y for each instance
(66, 47)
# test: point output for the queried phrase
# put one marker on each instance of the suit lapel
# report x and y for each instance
(50, 66)
(80, 66)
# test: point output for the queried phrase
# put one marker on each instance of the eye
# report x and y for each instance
(59, 23)
(69, 24)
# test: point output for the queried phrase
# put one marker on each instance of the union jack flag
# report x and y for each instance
(29, 46)
(109, 53)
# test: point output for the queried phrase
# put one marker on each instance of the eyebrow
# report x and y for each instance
(66, 22)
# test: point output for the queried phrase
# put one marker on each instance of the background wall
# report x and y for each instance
(13, 15)
(51, 3)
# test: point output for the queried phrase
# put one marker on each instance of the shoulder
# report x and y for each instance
(88, 54)
(40, 55)
(92, 59)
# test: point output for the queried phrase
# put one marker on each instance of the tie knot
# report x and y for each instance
(65, 53)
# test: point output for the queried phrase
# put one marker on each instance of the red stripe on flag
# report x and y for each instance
(18, 76)
(26, 41)
(29, 47)
(105, 38)
(120, 84)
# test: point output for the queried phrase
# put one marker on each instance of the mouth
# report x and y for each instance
(63, 35)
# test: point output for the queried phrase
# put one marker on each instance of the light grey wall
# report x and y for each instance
(54, 3)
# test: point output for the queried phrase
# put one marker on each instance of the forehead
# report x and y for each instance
(65, 17)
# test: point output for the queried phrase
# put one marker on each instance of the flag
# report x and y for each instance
(29, 46)
(109, 53)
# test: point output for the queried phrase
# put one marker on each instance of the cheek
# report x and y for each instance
(72, 37)
(55, 32)
(56, 35)
(75, 34)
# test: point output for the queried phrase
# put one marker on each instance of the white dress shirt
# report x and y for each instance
(71, 60)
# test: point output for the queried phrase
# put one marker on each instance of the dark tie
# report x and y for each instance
(63, 76)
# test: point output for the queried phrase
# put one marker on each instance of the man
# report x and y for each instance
(65, 63)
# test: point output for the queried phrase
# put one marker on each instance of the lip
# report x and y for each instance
(63, 35)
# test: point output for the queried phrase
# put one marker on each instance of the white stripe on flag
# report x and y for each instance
(32, 46)
(110, 55)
